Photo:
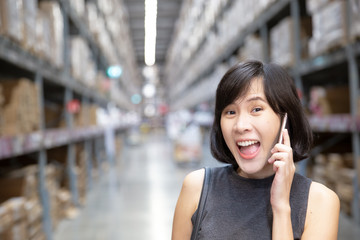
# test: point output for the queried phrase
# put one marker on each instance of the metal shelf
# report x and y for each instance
(80, 25)
(325, 61)
(337, 123)
(24, 144)
(14, 54)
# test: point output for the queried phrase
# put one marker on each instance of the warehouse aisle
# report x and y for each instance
(136, 199)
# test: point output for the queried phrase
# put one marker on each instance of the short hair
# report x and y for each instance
(281, 94)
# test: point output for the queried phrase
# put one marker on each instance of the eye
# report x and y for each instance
(256, 109)
(230, 112)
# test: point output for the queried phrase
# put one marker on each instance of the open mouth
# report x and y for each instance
(248, 149)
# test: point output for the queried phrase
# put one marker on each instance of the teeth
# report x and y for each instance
(246, 143)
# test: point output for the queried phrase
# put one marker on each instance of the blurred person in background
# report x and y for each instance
(257, 195)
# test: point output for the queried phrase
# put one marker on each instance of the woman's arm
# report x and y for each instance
(187, 204)
(284, 168)
(322, 217)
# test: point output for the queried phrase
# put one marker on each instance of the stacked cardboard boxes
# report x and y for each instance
(83, 68)
(252, 49)
(14, 227)
(30, 11)
(337, 172)
(38, 28)
(54, 15)
(19, 107)
(282, 41)
(11, 12)
(329, 100)
(81, 172)
(330, 29)
(34, 218)
(86, 116)
(58, 157)
(20, 205)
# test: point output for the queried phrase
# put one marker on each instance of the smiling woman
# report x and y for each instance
(259, 195)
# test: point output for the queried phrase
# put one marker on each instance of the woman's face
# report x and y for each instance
(251, 128)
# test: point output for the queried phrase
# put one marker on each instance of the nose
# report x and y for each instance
(243, 124)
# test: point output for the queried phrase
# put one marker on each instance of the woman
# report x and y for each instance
(259, 195)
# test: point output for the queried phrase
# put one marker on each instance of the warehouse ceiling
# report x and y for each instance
(167, 14)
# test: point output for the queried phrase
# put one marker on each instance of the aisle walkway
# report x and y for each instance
(136, 199)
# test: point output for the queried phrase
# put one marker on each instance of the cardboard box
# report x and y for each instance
(11, 13)
(43, 36)
(5, 218)
(330, 27)
(282, 48)
(19, 112)
(20, 183)
(252, 49)
(54, 15)
(329, 100)
(30, 9)
(332, 170)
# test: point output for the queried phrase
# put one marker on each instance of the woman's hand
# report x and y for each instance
(284, 167)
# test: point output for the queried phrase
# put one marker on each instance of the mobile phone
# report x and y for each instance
(282, 127)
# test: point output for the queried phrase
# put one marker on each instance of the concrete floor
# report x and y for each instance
(136, 199)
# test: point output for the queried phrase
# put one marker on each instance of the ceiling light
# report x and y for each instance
(150, 31)
(149, 90)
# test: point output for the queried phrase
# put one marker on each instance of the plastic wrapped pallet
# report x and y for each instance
(330, 27)
(282, 49)
(30, 10)
(11, 12)
(78, 6)
(5, 219)
(92, 17)
(355, 20)
(83, 67)
(52, 184)
(54, 14)
(313, 6)
(81, 171)
(20, 108)
(17, 230)
(252, 49)
(42, 36)
(34, 217)
(334, 170)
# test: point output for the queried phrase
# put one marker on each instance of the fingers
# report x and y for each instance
(286, 137)
(279, 156)
(277, 165)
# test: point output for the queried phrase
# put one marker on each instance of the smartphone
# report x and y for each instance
(282, 128)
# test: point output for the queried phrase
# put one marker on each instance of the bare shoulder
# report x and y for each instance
(192, 186)
(187, 203)
(322, 217)
(320, 194)
(194, 180)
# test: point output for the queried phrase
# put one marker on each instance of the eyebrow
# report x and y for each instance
(255, 98)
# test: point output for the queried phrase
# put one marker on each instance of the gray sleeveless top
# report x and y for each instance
(239, 208)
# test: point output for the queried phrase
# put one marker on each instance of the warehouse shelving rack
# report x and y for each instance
(44, 74)
(346, 58)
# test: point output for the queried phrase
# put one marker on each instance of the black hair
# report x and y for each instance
(281, 94)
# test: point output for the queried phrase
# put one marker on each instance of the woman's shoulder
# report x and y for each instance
(322, 213)
(194, 180)
(319, 193)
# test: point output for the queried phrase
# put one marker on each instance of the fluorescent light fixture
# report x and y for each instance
(150, 31)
